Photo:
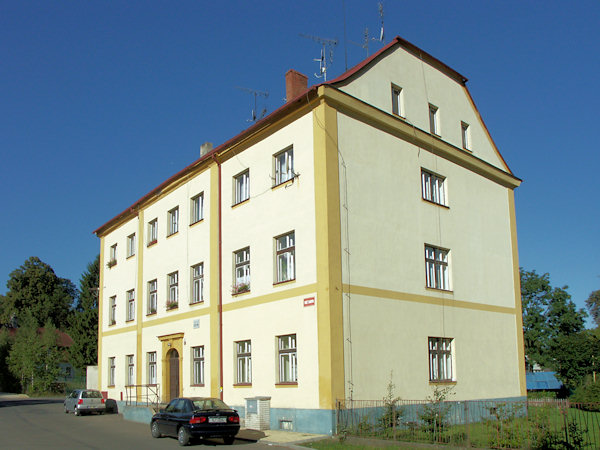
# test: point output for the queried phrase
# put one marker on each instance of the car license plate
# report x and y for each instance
(217, 420)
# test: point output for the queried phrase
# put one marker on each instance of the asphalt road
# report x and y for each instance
(42, 423)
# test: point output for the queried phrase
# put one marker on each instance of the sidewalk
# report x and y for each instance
(278, 436)
(9, 396)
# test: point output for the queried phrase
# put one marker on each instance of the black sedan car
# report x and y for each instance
(197, 417)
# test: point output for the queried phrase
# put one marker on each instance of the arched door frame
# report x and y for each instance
(171, 342)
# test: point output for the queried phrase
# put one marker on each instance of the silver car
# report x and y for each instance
(82, 401)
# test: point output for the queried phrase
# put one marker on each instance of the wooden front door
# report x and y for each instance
(173, 374)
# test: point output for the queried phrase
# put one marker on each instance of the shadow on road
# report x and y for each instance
(29, 402)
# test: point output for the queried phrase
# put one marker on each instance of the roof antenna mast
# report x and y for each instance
(256, 94)
(327, 46)
(381, 34)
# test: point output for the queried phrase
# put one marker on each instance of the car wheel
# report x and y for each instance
(183, 436)
(155, 431)
(66, 410)
(229, 440)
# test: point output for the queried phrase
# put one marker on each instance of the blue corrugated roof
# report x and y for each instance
(543, 381)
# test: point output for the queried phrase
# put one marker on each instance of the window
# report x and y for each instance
(112, 318)
(466, 141)
(151, 356)
(244, 362)
(288, 368)
(433, 120)
(173, 299)
(284, 166)
(241, 184)
(197, 208)
(131, 245)
(152, 232)
(152, 296)
(198, 365)
(440, 359)
(130, 370)
(397, 101)
(241, 275)
(113, 256)
(436, 268)
(173, 221)
(433, 188)
(131, 304)
(111, 371)
(284, 257)
(197, 283)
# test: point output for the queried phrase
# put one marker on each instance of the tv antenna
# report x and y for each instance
(256, 94)
(365, 42)
(381, 33)
(327, 46)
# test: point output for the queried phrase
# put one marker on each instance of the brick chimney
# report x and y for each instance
(295, 84)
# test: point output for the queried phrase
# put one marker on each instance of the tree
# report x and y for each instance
(593, 305)
(34, 287)
(548, 315)
(8, 383)
(574, 356)
(84, 319)
(34, 355)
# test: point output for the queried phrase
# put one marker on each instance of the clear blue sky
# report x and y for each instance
(102, 101)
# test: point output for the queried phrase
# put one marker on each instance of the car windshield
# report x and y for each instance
(91, 394)
(209, 403)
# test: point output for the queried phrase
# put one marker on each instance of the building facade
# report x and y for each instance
(364, 230)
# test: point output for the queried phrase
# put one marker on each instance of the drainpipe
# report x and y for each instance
(220, 304)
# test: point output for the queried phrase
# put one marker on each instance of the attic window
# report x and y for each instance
(434, 120)
(397, 101)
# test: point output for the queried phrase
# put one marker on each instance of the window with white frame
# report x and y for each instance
(436, 268)
(197, 283)
(197, 208)
(465, 134)
(173, 221)
(130, 370)
(285, 257)
(433, 188)
(111, 371)
(152, 231)
(241, 187)
(434, 125)
(288, 361)
(241, 270)
(284, 166)
(151, 358)
(440, 359)
(173, 282)
(198, 365)
(244, 362)
(113, 256)
(152, 296)
(397, 101)
(131, 245)
(131, 304)
(112, 316)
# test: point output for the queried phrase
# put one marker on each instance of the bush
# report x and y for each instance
(587, 393)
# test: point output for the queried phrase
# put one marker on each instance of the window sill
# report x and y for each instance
(196, 222)
(197, 303)
(286, 384)
(172, 308)
(130, 256)
(279, 283)
(237, 294)
(196, 385)
(110, 386)
(446, 382)
(151, 243)
(151, 314)
(112, 324)
(435, 203)
(242, 385)
(235, 205)
(448, 291)
(172, 234)
(284, 183)
(129, 320)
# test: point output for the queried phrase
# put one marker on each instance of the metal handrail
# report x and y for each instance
(142, 395)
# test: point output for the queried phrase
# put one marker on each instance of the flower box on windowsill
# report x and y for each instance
(112, 322)
(111, 263)
(151, 312)
(240, 288)
(173, 305)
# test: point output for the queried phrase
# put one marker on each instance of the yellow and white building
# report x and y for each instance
(365, 228)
